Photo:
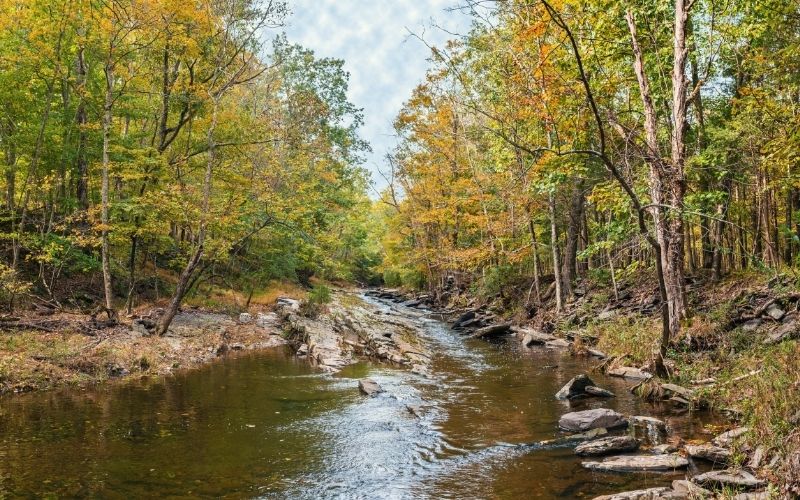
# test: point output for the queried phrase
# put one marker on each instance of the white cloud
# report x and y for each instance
(385, 64)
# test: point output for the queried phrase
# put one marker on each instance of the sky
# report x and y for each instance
(385, 63)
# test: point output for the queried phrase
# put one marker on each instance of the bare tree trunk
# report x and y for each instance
(556, 253)
(81, 118)
(570, 267)
(104, 221)
(535, 253)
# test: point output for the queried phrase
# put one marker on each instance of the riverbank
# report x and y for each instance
(72, 349)
(737, 355)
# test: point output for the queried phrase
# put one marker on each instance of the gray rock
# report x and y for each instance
(757, 458)
(639, 463)
(728, 479)
(648, 494)
(492, 331)
(709, 452)
(726, 439)
(575, 388)
(785, 332)
(676, 390)
(664, 449)
(580, 421)
(245, 318)
(758, 495)
(557, 343)
(267, 320)
(596, 353)
(775, 312)
(752, 325)
(599, 392)
(690, 490)
(585, 436)
(532, 338)
(369, 387)
(645, 421)
(607, 446)
(287, 303)
(630, 372)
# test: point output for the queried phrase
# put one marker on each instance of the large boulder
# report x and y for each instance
(731, 478)
(709, 452)
(639, 463)
(580, 421)
(369, 387)
(607, 446)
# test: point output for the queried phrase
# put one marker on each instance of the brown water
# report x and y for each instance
(268, 425)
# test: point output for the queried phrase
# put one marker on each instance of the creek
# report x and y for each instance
(269, 425)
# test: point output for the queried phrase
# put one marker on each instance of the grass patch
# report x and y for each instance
(635, 338)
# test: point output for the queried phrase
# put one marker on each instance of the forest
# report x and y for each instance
(623, 177)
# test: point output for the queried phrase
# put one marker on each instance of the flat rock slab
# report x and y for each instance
(709, 452)
(727, 438)
(630, 372)
(557, 343)
(580, 421)
(648, 494)
(639, 463)
(369, 387)
(729, 479)
(585, 436)
(607, 446)
(598, 392)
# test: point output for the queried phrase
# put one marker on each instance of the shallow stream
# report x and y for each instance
(269, 425)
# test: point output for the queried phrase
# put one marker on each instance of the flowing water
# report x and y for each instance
(268, 425)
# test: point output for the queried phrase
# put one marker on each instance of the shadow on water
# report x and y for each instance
(268, 425)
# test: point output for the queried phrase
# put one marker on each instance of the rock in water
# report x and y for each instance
(575, 437)
(728, 479)
(538, 338)
(369, 387)
(639, 463)
(575, 388)
(580, 421)
(709, 452)
(606, 446)
(648, 494)
(599, 392)
(491, 331)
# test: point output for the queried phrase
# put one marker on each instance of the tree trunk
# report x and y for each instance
(570, 267)
(556, 253)
(105, 253)
(81, 119)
